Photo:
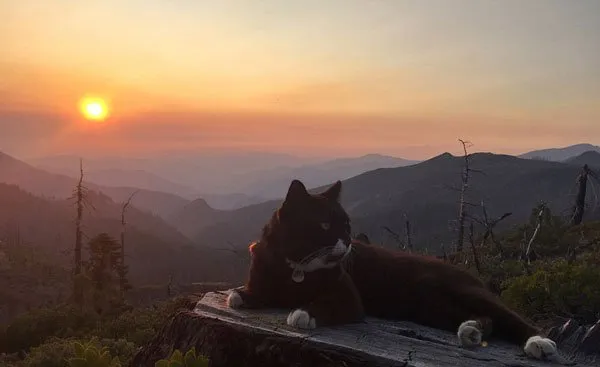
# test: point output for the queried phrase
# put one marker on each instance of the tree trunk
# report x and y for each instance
(579, 208)
(79, 194)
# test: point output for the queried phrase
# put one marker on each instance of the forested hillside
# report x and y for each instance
(38, 235)
(52, 185)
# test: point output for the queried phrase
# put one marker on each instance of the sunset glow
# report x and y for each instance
(309, 77)
(94, 109)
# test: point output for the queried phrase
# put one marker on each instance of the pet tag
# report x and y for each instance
(297, 275)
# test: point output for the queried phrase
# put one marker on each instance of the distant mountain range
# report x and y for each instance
(117, 177)
(273, 183)
(374, 197)
(591, 158)
(422, 191)
(237, 188)
(203, 173)
(119, 184)
(53, 185)
(560, 154)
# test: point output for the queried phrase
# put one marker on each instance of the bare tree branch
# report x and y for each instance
(408, 235)
(475, 255)
(444, 253)
(80, 195)
(464, 186)
(579, 207)
(395, 235)
(124, 285)
(540, 217)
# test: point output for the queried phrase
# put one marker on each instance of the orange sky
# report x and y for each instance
(306, 77)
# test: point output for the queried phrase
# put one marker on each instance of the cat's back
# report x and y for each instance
(377, 265)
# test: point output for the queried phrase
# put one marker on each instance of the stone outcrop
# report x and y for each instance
(262, 338)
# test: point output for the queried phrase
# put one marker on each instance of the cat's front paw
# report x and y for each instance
(234, 300)
(469, 333)
(301, 319)
(541, 348)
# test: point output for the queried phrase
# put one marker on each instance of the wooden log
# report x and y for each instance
(262, 338)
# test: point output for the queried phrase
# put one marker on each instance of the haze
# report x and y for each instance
(310, 78)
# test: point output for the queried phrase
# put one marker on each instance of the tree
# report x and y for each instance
(489, 228)
(579, 207)
(466, 174)
(103, 270)
(80, 195)
(122, 269)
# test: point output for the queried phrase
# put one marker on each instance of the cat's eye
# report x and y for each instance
(325, 226)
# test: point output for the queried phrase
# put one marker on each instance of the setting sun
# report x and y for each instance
(94, 109)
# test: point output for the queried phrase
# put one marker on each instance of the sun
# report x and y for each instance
(94, 108)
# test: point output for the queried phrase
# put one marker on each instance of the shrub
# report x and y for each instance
(557, 288)
(179, 360)
(53, 353)
(141, 324)
(57, 352)
(89, 355)
(34, 327)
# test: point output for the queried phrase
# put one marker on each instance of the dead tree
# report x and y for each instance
(396, 237)
(540, 218)
(466, 173)
(579, 207)
(444, 253)
(489, 228)
(124, 285)
(409, 244)
(80, 195)
(474, 249)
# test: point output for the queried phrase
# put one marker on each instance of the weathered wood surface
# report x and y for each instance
(261, 337)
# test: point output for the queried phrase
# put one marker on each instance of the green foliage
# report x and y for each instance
(557, 288)
(57, 352)
(141, 324)
(48, 334)
(177, 359)
(89, 355)
(121, 348)
(103, 269)
(33, 328)
(53, 353)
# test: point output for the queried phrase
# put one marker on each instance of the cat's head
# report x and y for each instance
(313, 224)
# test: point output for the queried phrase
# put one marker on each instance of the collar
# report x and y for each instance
(316, 263)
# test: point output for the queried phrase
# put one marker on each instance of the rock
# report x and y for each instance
(577, 340)
(258, 338)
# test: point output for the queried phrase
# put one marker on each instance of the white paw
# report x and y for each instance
(234, 300)
(469, 333)
(540, 348)
(301, 320)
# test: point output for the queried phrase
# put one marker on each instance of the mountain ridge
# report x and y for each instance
(43, 183)
(560, 154)
(271, 183)
(381, 197)
(590, 157)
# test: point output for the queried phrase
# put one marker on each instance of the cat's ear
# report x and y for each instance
(297, 191)
(333, 193)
